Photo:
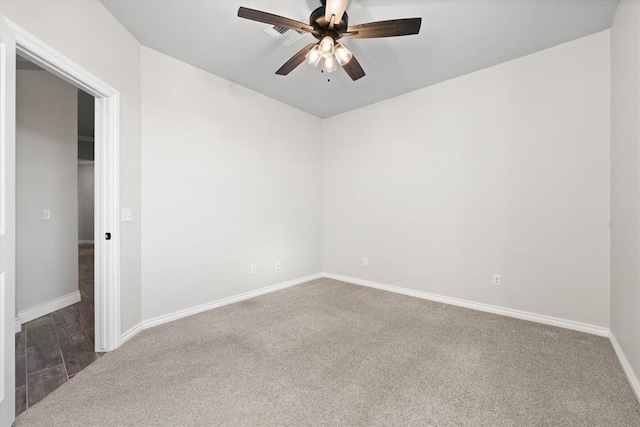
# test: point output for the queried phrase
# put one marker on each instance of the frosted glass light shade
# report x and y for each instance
(343, 55)
(329, 65)
(326, 45)
(313, 56)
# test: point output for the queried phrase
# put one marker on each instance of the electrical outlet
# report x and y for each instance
(46, 214)
(497, 280)
(254, 269)
(277, 265)
(365, 261)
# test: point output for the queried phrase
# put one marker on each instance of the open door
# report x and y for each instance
(7, 222)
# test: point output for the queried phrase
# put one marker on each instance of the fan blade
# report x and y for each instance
(335, 7)
(295, 60)
(269, 18)
(354, 69)
(391, 28)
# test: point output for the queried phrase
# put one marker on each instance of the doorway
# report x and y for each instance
(14, 39)
(54, 233)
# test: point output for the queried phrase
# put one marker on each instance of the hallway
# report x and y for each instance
(52, 349)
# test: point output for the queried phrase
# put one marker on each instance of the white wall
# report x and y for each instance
(89, 35)
(231, 178)
(505, 170)
(86, 202)
(625, 182)
(46, 178)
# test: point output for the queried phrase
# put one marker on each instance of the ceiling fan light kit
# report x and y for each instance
(342, 54)
(326, 46)
(329, 23)
(330, 52)
(329, 64)
(314, 56)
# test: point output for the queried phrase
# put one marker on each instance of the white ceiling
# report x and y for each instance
(456, 38)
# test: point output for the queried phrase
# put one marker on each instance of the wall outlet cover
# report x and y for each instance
(497, 280)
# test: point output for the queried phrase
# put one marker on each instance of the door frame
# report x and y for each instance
(7, 225)
(106, 180)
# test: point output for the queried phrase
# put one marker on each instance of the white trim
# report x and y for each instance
(85, 162)
(126, 336)
(40, 53)
(107, 154)
(503, 311)
(538, 318)
(85, 242)
(7, 222)
(626, 367)
(146, 324)
(4, 70)
(18, 325)
(107, 140)
(48, 307)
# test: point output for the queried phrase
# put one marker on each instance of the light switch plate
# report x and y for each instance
(127, 215)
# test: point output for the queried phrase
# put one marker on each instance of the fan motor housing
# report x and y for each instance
(317, 21)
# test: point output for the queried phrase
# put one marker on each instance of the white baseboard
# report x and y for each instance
(503, 311)
(48, 307)
(85, 242)
(18, 325)
(150, 323)
(626, 367)
(547, 320)
(225, 301)
(130, 333)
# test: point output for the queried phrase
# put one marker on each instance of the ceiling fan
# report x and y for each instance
(329, 23)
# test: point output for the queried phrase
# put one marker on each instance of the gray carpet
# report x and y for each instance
(330, 353)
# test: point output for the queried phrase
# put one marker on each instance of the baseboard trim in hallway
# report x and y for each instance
(49, 307)
(487, 308)
(150, 323)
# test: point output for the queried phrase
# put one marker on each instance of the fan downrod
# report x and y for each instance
(318, 21)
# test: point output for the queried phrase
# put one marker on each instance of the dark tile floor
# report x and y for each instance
(52, 349)
(85, 308)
